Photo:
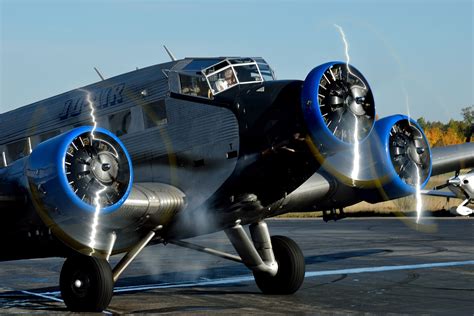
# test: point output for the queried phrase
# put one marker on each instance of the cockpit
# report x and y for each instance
(207, 77)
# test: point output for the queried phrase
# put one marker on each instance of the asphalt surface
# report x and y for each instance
(354, 266)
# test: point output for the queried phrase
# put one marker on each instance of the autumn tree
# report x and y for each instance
(454, 132)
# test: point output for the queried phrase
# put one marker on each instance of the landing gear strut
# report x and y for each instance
(277, 263)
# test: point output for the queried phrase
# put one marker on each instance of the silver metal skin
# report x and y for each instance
(148, 205)
(262, 242)
(248, 251)
(306, 197)
(113, 239)
(449, 158)
(157, 202)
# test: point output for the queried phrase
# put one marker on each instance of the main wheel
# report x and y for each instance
(291, 268)
(86, 284)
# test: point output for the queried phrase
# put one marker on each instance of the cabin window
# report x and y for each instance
(119, 123)
(154, 114)
(17, 150)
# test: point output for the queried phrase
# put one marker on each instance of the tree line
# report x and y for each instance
(451, 133)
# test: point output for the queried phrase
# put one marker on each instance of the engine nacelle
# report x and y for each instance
(77, 171)
(76, 181)
(338, 107)
(401, 159)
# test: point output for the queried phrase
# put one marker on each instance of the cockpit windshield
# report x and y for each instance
(209, 77)
(230, 72)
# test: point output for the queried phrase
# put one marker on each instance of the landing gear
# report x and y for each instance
(282, 270)
(86, 283)
(277, 262)
(291, 268)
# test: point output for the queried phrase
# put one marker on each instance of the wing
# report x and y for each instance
(452, 158)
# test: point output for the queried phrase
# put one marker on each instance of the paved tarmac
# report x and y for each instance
(354, 266)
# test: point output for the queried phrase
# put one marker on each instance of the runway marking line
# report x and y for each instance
(53, 298)
(43, 295)
(310, 274)
(390, 268)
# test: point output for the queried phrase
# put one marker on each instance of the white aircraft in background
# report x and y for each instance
(460, 187)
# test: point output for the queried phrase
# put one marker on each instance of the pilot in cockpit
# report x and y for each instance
(226, 82)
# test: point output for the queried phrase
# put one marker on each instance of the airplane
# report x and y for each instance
(194, 146)
(460, 187)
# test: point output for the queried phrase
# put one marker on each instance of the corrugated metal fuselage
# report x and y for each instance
(232, 156)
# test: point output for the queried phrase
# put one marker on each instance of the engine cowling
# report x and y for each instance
(390, 163)
(76, 181)
(338, 107)
(401, 159)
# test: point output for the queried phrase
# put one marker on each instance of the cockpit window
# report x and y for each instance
(266, 72)
(194, 85)
(231, 72)
(248, 73)
(222, 80)
(216, 68)
(217, 75)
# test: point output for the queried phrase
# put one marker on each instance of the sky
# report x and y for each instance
(417, 55)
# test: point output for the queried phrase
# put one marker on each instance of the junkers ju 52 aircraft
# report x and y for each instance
(195, 146)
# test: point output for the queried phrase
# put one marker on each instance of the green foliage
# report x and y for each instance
(421, 121)
(468, 114)
(454, 132)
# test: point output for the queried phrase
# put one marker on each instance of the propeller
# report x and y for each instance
(96, 164)
(409, 152)
(346, 103)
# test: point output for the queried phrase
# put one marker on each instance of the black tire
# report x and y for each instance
(95, 290)
(291, 268)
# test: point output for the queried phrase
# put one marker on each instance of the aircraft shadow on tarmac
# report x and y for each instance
(18, 299)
